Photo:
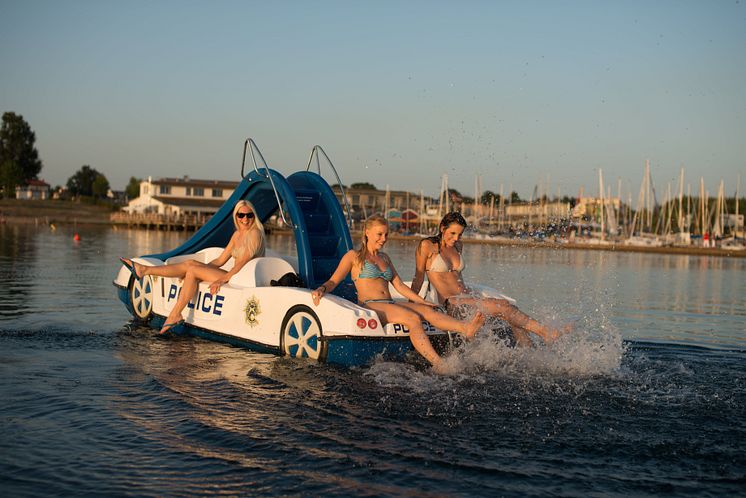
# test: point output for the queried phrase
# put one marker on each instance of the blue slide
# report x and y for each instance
(321, 233)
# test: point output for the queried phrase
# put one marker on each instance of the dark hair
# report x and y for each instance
(448, 220)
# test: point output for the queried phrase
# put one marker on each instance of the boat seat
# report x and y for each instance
(259, 271)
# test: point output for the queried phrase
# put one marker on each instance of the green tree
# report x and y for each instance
(455, 195)
(81, 183)
(17, 145)
(133, 188)
(514, 197)
(570, 200)
(488, 196)
(10, 176)
(100, 186)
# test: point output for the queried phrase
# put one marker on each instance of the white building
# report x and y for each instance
(180, 196)
(34, 189)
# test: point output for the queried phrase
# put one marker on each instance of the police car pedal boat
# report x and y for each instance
(248, 311)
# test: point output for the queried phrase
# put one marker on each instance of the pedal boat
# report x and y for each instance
(249, 311)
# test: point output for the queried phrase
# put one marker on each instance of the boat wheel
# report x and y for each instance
(141, 297)
(301, 334)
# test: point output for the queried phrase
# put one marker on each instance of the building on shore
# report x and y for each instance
(180, 196)
(171, 200)
(391, 204)
(33, 190)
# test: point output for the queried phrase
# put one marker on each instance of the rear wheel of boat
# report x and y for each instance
(301, 334)
(141, 297)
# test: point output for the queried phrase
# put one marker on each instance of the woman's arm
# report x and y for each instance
(405, 291)
(424, 250)
(226, 254)
(343, 268)
(402, 288)
(254, 237)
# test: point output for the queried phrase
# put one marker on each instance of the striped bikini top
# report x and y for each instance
(369, 270)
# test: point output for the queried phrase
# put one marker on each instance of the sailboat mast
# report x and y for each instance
(738, 187)
(601, 202)
(649, 213)
(703, 226)
(501, 210)
(680, 221)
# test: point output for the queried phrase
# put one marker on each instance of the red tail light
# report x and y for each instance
(372, 323)
(361, 323)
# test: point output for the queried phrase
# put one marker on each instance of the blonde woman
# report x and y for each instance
(246, 243)
(372, 271)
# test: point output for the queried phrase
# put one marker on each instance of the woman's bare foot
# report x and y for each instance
(135, 268)
(552, 335)
(441, 367)
(171, 323)
(474, 325)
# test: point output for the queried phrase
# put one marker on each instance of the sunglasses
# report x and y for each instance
(245, 215)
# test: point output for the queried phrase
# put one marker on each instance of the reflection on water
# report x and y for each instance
(93, 405)
(671, 298)
(50, 280)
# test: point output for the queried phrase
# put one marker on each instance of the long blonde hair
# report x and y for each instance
(243, 243)
(369, 223)
(249, 205)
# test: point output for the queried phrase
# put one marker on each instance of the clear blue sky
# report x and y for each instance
(397, 92)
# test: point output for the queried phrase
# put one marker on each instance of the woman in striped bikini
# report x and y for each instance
(372, 271)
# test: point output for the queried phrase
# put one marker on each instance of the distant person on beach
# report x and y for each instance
(372, 271)
(246, 243)
(440, 258)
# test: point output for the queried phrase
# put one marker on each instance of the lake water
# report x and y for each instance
(646, 397)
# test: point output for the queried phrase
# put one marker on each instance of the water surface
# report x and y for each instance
(646, 397)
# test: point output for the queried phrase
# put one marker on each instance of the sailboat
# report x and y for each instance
(644, 215)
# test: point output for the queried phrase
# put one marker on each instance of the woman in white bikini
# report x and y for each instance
(440, 257)
(372, 271)
(246, 243)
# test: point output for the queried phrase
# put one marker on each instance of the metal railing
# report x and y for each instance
(315, 154)
(251, 146)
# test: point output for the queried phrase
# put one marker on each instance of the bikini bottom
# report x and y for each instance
(384, 301)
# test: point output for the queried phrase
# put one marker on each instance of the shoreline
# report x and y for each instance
(48, 212)
(690, 251)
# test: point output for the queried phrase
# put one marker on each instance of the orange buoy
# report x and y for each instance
(76, 237)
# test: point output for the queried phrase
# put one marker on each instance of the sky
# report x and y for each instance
(524, 94)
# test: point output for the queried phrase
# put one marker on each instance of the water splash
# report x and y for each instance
(593, 348)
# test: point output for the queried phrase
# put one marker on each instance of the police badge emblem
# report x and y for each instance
(252, 311)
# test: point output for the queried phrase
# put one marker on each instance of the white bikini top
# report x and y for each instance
(439, 265)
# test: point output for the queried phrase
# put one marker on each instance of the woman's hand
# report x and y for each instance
(215, 286)
(316, 294)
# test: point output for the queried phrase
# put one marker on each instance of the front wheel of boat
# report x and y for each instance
(141, 297)
(301, 334)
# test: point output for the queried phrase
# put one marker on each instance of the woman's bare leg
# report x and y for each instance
(177, 270)
(511, 314)
(521, 337)
(188, 289)
(394, 313)
(194, 275)
(447, 322)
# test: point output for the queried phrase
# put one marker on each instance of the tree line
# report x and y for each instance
(20, 163)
